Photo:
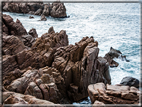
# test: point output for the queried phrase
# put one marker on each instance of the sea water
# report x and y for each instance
(114, 25)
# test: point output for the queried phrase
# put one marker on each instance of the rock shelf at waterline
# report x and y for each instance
(56, 9)
(47, 67)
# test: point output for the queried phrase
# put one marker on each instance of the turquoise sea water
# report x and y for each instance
(114, 25)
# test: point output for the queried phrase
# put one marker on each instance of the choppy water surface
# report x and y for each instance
(114, 25)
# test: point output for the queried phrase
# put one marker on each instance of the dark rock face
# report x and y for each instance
(112, 94)
(56, 9)
(130, 81)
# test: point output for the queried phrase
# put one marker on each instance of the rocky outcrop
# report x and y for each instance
(113, 94)
(16, 99)
(17, 30)
(33, 33)
(56, 9)
(113, 53)
(130, 81)
(14, 28)
(79, 65)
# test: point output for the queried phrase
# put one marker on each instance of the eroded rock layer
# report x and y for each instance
(113, 94)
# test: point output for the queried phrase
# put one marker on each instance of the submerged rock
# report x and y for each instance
(15, 28)
(112, 94)
(31, 17)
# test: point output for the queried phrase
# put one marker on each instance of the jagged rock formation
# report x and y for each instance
(56, 9)
(74, 67)
(113, 53)
(79, 65)
(11, 27)
(50, 69)
(17, 29)
(113, 94)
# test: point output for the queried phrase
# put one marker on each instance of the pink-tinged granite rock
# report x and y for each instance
(79, 66)
(16, 99)
(39, 83)
(12, 45)
(113, 94)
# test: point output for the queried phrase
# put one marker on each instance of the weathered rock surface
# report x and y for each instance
(17, 30)
(112, 94)
(130, 81)
(14, 28)
(113, 53)
(79, 66)
(16, 99)
(56, 9)
(11, 45)
(39, 83)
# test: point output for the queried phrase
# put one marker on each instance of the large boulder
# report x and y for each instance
(130, 81)
(113, 94)
(58, 10)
